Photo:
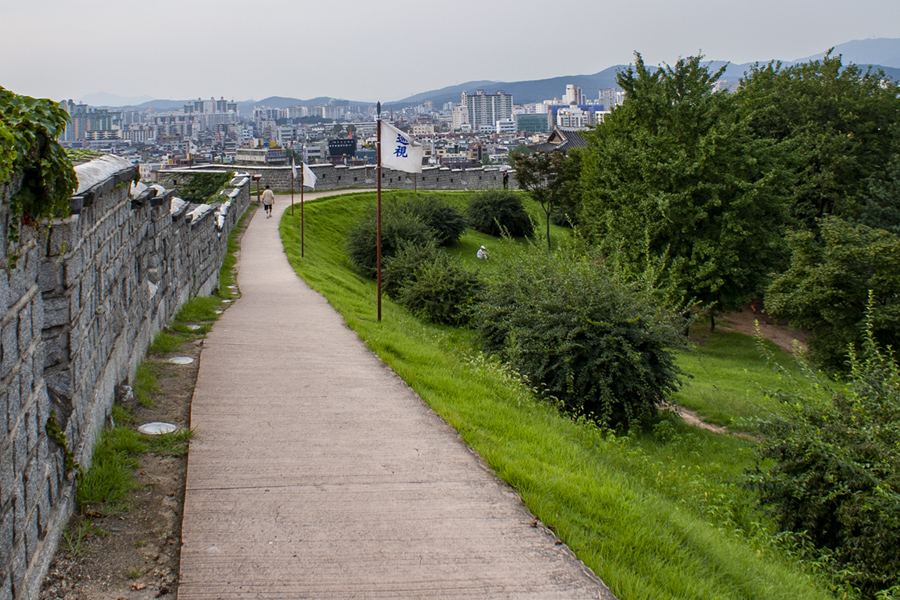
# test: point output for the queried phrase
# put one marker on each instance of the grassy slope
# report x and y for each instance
(655, 519)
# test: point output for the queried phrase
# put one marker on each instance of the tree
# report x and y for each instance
(881, 208)
(827, 288)
(674, 172)
(838, 125)
(548, 178)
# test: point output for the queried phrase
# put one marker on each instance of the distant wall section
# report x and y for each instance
(330, 177)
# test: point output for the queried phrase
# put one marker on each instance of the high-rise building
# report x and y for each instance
(484, 110)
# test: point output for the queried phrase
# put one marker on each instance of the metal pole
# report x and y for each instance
(378, 208)
(292, 191)
(302, 233)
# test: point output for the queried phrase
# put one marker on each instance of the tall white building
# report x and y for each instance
(574, 95)
(484, 110)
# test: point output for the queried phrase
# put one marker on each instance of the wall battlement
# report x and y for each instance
(330, 177)
(77, 314)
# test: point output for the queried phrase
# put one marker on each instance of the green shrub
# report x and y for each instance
(201, 187)
(498, 212)
(399, 227)
(826, 288)
(400, 269)
(836, 478)
(582, 334)
(447, 222)
(440, 290)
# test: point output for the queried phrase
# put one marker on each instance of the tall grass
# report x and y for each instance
(656, 516)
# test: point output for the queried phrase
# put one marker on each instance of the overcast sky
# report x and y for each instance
(387, 50)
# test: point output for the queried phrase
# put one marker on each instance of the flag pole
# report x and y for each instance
(292, 186)
(378, 208)
(302, 182)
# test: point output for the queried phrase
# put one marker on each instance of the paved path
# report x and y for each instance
(315, 472)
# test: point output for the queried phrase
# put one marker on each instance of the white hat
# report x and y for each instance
(483, 248)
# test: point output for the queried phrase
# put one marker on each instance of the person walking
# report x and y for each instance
(268, 199)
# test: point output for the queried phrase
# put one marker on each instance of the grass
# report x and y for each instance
(169, 444)
(107, 486)
(145, 384)
(166, 342)
(728, 379)
(77, 535)
(655, 516)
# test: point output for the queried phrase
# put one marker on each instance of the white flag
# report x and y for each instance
(293, 168)
(309, 178)
(399, 151)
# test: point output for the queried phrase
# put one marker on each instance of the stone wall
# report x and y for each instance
(331, 177)
(79, 312)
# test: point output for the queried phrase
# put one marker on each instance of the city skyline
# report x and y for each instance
(375, 51)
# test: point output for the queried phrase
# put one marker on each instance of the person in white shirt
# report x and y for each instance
(483, 253)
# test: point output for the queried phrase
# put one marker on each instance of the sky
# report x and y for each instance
(370, 50)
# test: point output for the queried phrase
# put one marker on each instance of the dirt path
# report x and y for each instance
(745, 322)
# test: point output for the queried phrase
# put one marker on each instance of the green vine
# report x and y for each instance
(56, 434)
(29, 150)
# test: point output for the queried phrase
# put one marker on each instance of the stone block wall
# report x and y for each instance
(331, 177)
(79, 312)
(28, 472)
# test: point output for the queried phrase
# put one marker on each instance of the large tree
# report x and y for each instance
(838, 125)
(675, 174)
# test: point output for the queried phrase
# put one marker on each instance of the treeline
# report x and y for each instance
(786, 189)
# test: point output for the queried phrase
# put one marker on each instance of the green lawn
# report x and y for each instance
(657, 516)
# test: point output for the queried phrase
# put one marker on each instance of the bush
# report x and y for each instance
(400, 269)
(399, 227)
(836, 478)
(826, 288)
(440, 290)
(446, 222)
(582, 335)
(498, 212)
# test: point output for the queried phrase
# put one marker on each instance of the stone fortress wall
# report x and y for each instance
(329, 177)
(78, 314)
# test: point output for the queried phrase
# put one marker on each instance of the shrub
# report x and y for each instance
(498, 212)
(440, 290)
(399, 227)
(446, 222)
(400, 269)
(836, 477)
(582, 334)
(826, 287)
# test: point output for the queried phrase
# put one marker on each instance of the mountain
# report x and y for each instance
(523, 92)
(880, 53)
(883, 52)
(105, 99)
(163, 105)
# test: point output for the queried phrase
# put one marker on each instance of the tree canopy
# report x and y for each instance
(676, 172)
(838, 125)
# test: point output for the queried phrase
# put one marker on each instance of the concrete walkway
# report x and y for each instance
(315, 472)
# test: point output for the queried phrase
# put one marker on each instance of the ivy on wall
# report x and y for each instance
(29, 151)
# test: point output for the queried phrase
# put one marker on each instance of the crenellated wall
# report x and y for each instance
(79, 311)
(331, 177)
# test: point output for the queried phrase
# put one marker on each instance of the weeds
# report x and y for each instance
(166, 342)
(169, 444)
(77, 535)
(145, 384)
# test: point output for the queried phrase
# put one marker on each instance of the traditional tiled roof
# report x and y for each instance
(561, 140)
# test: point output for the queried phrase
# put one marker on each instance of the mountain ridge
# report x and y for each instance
(879, 53)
